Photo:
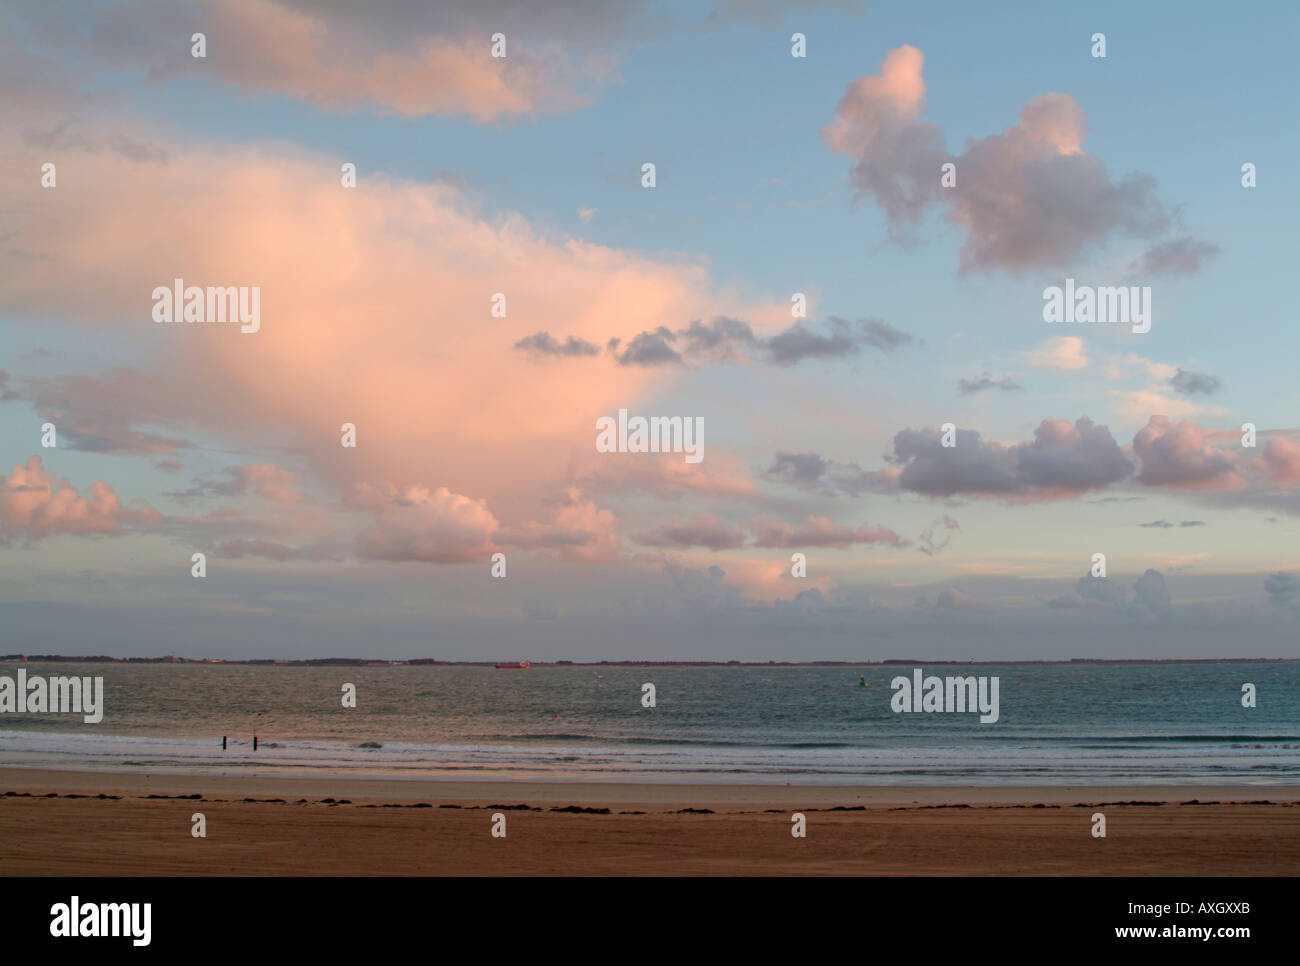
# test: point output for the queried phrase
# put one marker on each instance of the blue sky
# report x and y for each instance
(752, 204)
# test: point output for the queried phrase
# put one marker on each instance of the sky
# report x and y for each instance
(806, 278)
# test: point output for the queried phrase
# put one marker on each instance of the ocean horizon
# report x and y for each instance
(1164, 723)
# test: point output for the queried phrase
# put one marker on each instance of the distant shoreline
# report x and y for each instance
(429, 662)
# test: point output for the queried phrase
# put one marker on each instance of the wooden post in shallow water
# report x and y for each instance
(223, 742)
(255, 742)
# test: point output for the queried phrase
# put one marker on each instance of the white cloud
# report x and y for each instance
(1065, 353)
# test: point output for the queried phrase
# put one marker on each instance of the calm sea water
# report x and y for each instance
(1157, 724)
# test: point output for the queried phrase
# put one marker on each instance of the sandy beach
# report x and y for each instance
(92, 824)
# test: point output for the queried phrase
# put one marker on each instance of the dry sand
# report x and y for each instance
(359, 827)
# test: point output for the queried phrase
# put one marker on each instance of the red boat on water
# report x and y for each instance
(524, 665)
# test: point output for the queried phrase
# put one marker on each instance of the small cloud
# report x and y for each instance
(699, 531)
(968, 387)
(264, 479)
(1065, 353)
(926, 542)
(819, 531)
(586, 214)
(838, 338)
(544, 344)
(809, 471)
(800, 469)
(730, 340)
(648, 349)
(1187, 383)
(35, 504)
(1179, 256)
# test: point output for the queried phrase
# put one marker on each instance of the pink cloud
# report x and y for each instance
(372, 300)
(408, 59)
(754, 579)
(434, 526)
(667, 477)
(269, 481)
(819, 531)
(314, 56)
(35, 504)
(1183, 455)
(876, 106)
(265, 479)
(574, 526)
(1280, 460)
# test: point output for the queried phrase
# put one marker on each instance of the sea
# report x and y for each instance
(1075, 724)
